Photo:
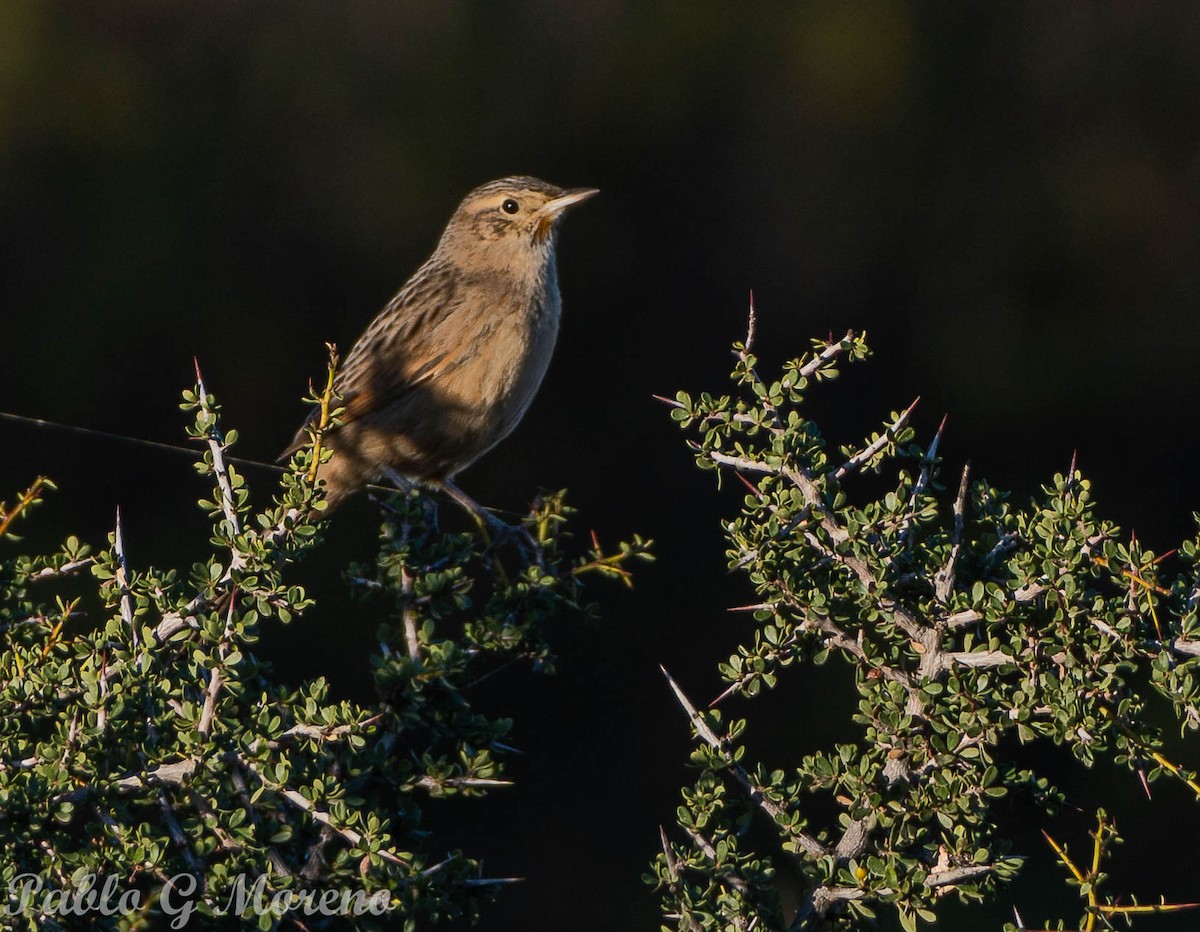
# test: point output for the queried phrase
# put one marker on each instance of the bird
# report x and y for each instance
(451, 364)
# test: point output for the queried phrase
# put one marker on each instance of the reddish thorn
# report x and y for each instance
(1145, 783)
(725, 695)
(904, 415)
(1074, 459)
(196, 363)
(667, 401)
(937, 439)
(748, 484)
(751, 300)
(1169, 553)
(595, 542)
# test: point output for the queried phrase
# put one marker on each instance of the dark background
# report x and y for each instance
(1005, 197)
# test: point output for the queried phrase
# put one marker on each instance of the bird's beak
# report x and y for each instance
(553, 208)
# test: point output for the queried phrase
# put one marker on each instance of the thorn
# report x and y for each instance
(667, 401)
(1074, 460)
(595, 542)
(931, 453)
(119, 537)
(679, 696)
(725, 695)
(200, 381)
(749, 608)
(1141, 772)
(703, 731)
(748, 484)
(750, 323)
(1169, 553)
(492, 881)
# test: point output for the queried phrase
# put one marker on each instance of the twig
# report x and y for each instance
(181, 840)
(217, 450)
(215, 678)
(943, 581)
(888, 435)
(831, 351)
(319, 815)
(903, 618)
(67, 569)
(673, 880)
(243, 791)
(971, 616)
(28, 497)
(773, 810)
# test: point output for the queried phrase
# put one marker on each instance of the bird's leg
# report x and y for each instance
(400, 482)
(488, 521)
(485, 518)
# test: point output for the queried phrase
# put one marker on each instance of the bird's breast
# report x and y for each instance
(505, 352)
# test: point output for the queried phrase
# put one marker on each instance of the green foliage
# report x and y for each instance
(156, 748)
(966, 620)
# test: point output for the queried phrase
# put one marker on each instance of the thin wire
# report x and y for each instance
(152, 444)
(137, 441)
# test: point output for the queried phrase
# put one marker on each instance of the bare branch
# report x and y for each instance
(221, 471)
(757, 794)
(67, 569)
(971, 616)
(830, 352)
(886, 437)
(319, 815)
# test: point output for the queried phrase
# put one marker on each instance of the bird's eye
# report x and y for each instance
(510, 206)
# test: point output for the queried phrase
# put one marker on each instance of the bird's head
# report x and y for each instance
(508, 223)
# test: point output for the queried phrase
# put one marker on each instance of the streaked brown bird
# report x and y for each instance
(448, 368)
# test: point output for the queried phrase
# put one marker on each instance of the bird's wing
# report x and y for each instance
(395, 354)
